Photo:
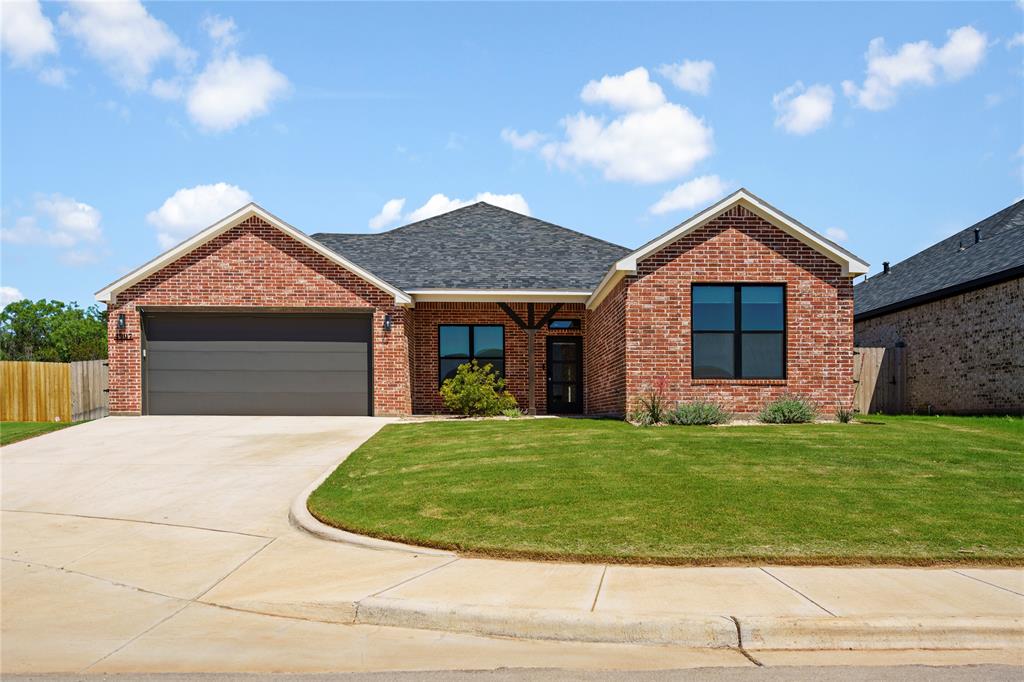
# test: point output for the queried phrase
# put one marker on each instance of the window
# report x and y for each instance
(739, 331)
(459, 344)
(564, 324)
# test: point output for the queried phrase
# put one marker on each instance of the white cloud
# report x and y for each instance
(643, 146)
(390, 213)
(916, 64)
(231, 90)
(222, 31)
(691, 76)
(9, 295)
(56, 220)
(26, 33)
(55, 76)
(802, 110)
(167, 88)
(1016, 41)
(631, 91)
(439, 203)
(691, 194)
(125, 38)
(194, 208)
(524, 141)
(837, 234)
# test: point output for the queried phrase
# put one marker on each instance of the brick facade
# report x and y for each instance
(427, 316)
(740, 247)
(639, 337)
(964, 354)
(255, 265)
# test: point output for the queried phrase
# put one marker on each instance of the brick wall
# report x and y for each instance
(738, 247)
(425, 397)
(964, 354)
(605, 390)
(256, 265)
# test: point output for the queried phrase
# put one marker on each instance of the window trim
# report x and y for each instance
(738, 332)
(472, 356)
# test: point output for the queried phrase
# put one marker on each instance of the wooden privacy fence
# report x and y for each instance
(880, 378)
(52, 391)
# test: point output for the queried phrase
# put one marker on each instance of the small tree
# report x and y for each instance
(476, 391)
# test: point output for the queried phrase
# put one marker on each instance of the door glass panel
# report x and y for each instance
(713, 356)
(761, 309)
(563, 352)
(714, 308)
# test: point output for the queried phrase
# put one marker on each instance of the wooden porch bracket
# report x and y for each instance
(531, 334)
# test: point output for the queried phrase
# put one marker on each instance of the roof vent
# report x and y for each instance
(961, 248)
(885, 267)
(977, 235)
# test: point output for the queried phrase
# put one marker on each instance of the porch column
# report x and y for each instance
(531, 334)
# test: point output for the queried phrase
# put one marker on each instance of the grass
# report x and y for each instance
(892, 490)
(12, 432)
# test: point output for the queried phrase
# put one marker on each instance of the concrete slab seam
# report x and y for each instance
(783, 582)
(985, 582)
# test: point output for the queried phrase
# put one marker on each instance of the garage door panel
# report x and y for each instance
(283, 381)
(227, 403)
(261, 364)
(256, 360)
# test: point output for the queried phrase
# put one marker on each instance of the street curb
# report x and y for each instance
(550, 624)
(299, 516)
(907, 632)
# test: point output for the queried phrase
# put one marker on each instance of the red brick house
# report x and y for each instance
(738, 304)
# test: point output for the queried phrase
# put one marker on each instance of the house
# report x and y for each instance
(738, 304)
(957, 310)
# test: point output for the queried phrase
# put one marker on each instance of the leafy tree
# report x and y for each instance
(52, 331)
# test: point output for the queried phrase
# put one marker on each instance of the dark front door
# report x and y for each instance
(261, 364)
(565, 374)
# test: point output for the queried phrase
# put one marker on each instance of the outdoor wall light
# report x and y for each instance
(120, 322)
(387, 322)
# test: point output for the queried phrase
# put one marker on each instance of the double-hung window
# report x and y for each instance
(739, 331)
(459, 344)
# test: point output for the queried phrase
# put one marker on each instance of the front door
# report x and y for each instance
(565, 374)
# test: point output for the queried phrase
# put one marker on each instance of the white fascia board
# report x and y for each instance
(499, 295)
(109, 292)
(851, 264)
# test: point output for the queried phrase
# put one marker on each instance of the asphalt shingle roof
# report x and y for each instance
(480, 247)
(946, 264)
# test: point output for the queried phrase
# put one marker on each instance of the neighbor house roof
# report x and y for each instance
(954, 265)
(480, 247)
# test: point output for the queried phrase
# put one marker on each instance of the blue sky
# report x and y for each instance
(126, 127)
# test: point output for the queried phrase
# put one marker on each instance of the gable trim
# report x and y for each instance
(851, 264)
(108, 294)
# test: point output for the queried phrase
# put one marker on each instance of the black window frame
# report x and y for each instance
(472, 355)
(738, 331)
(575, 324)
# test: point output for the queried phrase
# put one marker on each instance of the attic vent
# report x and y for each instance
(885, 267)
(977, 235)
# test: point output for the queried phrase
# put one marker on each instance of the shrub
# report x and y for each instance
(476, 391)
(649, 409)
(512, 412)
(789, 409)
(844, 415)
(698, 413)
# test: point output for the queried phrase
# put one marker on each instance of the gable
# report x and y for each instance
(850, 264)
(109, 293)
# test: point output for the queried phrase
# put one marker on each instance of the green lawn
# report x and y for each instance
(12, 432)
(893, 490)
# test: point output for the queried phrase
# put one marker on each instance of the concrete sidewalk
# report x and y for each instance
(166, 547)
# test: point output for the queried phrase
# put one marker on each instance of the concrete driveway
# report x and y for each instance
(162, 544)
(116, 536)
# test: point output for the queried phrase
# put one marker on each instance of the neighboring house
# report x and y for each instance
(957, 308)
(739, 304)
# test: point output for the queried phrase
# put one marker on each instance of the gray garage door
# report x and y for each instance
(257, 364)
